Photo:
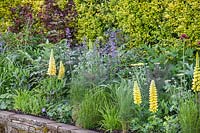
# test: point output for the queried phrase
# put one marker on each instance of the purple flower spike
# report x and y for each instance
(69, 37)
(112, 44)
(68, 33)
(1, 45)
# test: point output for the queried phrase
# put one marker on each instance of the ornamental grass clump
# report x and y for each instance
(153, 103)
(189, 116)
(52, 65)
(137, 94)
(196, 75)
(61, 72)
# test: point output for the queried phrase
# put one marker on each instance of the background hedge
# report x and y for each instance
(143, 21)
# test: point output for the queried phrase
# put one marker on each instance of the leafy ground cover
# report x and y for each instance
(107, 87)
(100, 83)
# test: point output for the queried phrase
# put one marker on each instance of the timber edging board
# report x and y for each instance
(17, 123)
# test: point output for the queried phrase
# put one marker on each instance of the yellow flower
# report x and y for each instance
(52, 65)
(153, 103)
(196, 75)
(138, 64)
(136, 94)
(61, 73)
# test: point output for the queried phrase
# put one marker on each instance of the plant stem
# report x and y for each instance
(198, 101)
(184, 65)
(124, 127)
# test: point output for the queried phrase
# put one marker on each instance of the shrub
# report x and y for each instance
(59, 22)
(14, 11)
(146, 21)
(53, 19)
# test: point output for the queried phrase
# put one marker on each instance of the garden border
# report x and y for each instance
(11, 122)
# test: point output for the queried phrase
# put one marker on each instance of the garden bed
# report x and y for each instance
(107, 66)
(13, 123)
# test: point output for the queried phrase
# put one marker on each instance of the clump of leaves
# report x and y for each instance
(110, 120)
(124, 103)
(28, 102)
(56, 20)
(189, 116)
(88, 113)
(60, 111)
(6, 101)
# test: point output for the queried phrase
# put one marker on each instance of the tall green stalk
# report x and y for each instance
(184, 64)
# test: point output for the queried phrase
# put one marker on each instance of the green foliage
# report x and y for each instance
(171, 124)
(124, 102)
(143, 21)
(6, 101)
(110, 120)
(176, 93)
(189, 116)
(28, 102)
(88, 115)
(12, 77)
(89, 94)
(60, 111)
(92, 70)
(13, 40)
(21, 101)
(154, 124)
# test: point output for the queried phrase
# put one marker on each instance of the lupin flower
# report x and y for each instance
(196, 75)
(52, 65)
(153, 103)
(61, 73)
(136, 94)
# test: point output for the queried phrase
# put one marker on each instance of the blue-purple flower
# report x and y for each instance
(43, 110)
(68, 36)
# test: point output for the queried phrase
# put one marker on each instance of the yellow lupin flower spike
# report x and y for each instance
(136, 94)
(153, 103)
(61, 73)
(196, 75)
(52, 65)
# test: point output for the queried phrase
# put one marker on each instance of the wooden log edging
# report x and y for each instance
(17, 123)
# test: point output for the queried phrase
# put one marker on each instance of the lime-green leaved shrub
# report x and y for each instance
(144, 21)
